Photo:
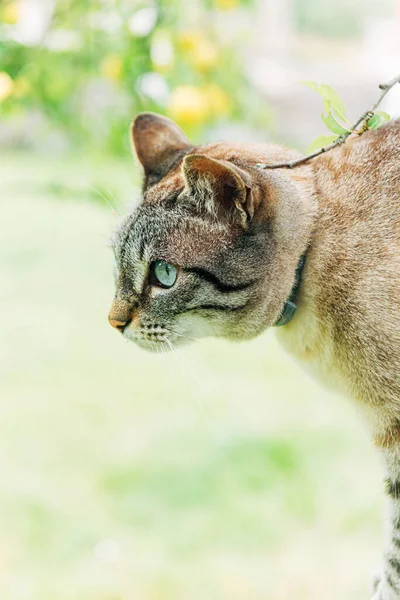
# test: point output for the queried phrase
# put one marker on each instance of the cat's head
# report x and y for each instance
(213, 247)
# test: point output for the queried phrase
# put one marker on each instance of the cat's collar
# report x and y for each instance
(291, 303)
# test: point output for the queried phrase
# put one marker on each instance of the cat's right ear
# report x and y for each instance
(158, 142)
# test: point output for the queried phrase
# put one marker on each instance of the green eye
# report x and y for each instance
(164, 273)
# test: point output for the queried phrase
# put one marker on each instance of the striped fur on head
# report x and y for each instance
(234, 234)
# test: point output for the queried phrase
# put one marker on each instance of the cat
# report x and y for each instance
(221, 248)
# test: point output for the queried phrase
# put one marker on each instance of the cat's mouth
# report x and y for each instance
(155, 339)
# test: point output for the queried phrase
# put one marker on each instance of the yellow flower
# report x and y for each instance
(226, 4)
(188, 105)
(201, 53)
(112, 68)
(11, 13)
(189, 39)
(22, 87)
(204, 55)
(6, 85)
(218, 102)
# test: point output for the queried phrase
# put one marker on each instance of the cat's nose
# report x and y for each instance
(120, 325)
(121, 314)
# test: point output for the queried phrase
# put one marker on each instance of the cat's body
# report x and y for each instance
(213, 250)
(347, 330)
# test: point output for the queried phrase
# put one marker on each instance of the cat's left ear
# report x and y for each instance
(220, 186)
(158, 141)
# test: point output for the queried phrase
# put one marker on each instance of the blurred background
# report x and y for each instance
(222, 471)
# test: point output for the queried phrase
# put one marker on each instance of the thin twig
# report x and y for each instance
(385, 87)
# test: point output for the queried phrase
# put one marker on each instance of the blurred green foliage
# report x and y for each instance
(93, 64)
(84, 68)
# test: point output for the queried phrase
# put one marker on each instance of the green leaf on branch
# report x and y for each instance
(331, 98)
(333, 124)
(378, 119)
(321, 142)
(311, 84)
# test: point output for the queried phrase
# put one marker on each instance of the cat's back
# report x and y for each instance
(354, 261)
(358, 192)
(359, 182)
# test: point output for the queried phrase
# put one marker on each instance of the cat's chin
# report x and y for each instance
(153, 347)
(158, 347)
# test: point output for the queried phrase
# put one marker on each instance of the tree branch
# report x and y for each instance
(363, 120)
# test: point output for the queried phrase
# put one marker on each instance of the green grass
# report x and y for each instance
(129, 476)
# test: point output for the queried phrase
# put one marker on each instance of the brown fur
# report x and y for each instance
(351, 286)
(210, 208)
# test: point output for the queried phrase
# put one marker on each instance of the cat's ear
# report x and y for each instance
(157, 142)
(221, 187)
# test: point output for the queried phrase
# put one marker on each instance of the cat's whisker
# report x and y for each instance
(112, 197)
(195, 391)
(106, 200)
(177, 358)
(183, 366)
(189, 366)
(183, 335)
